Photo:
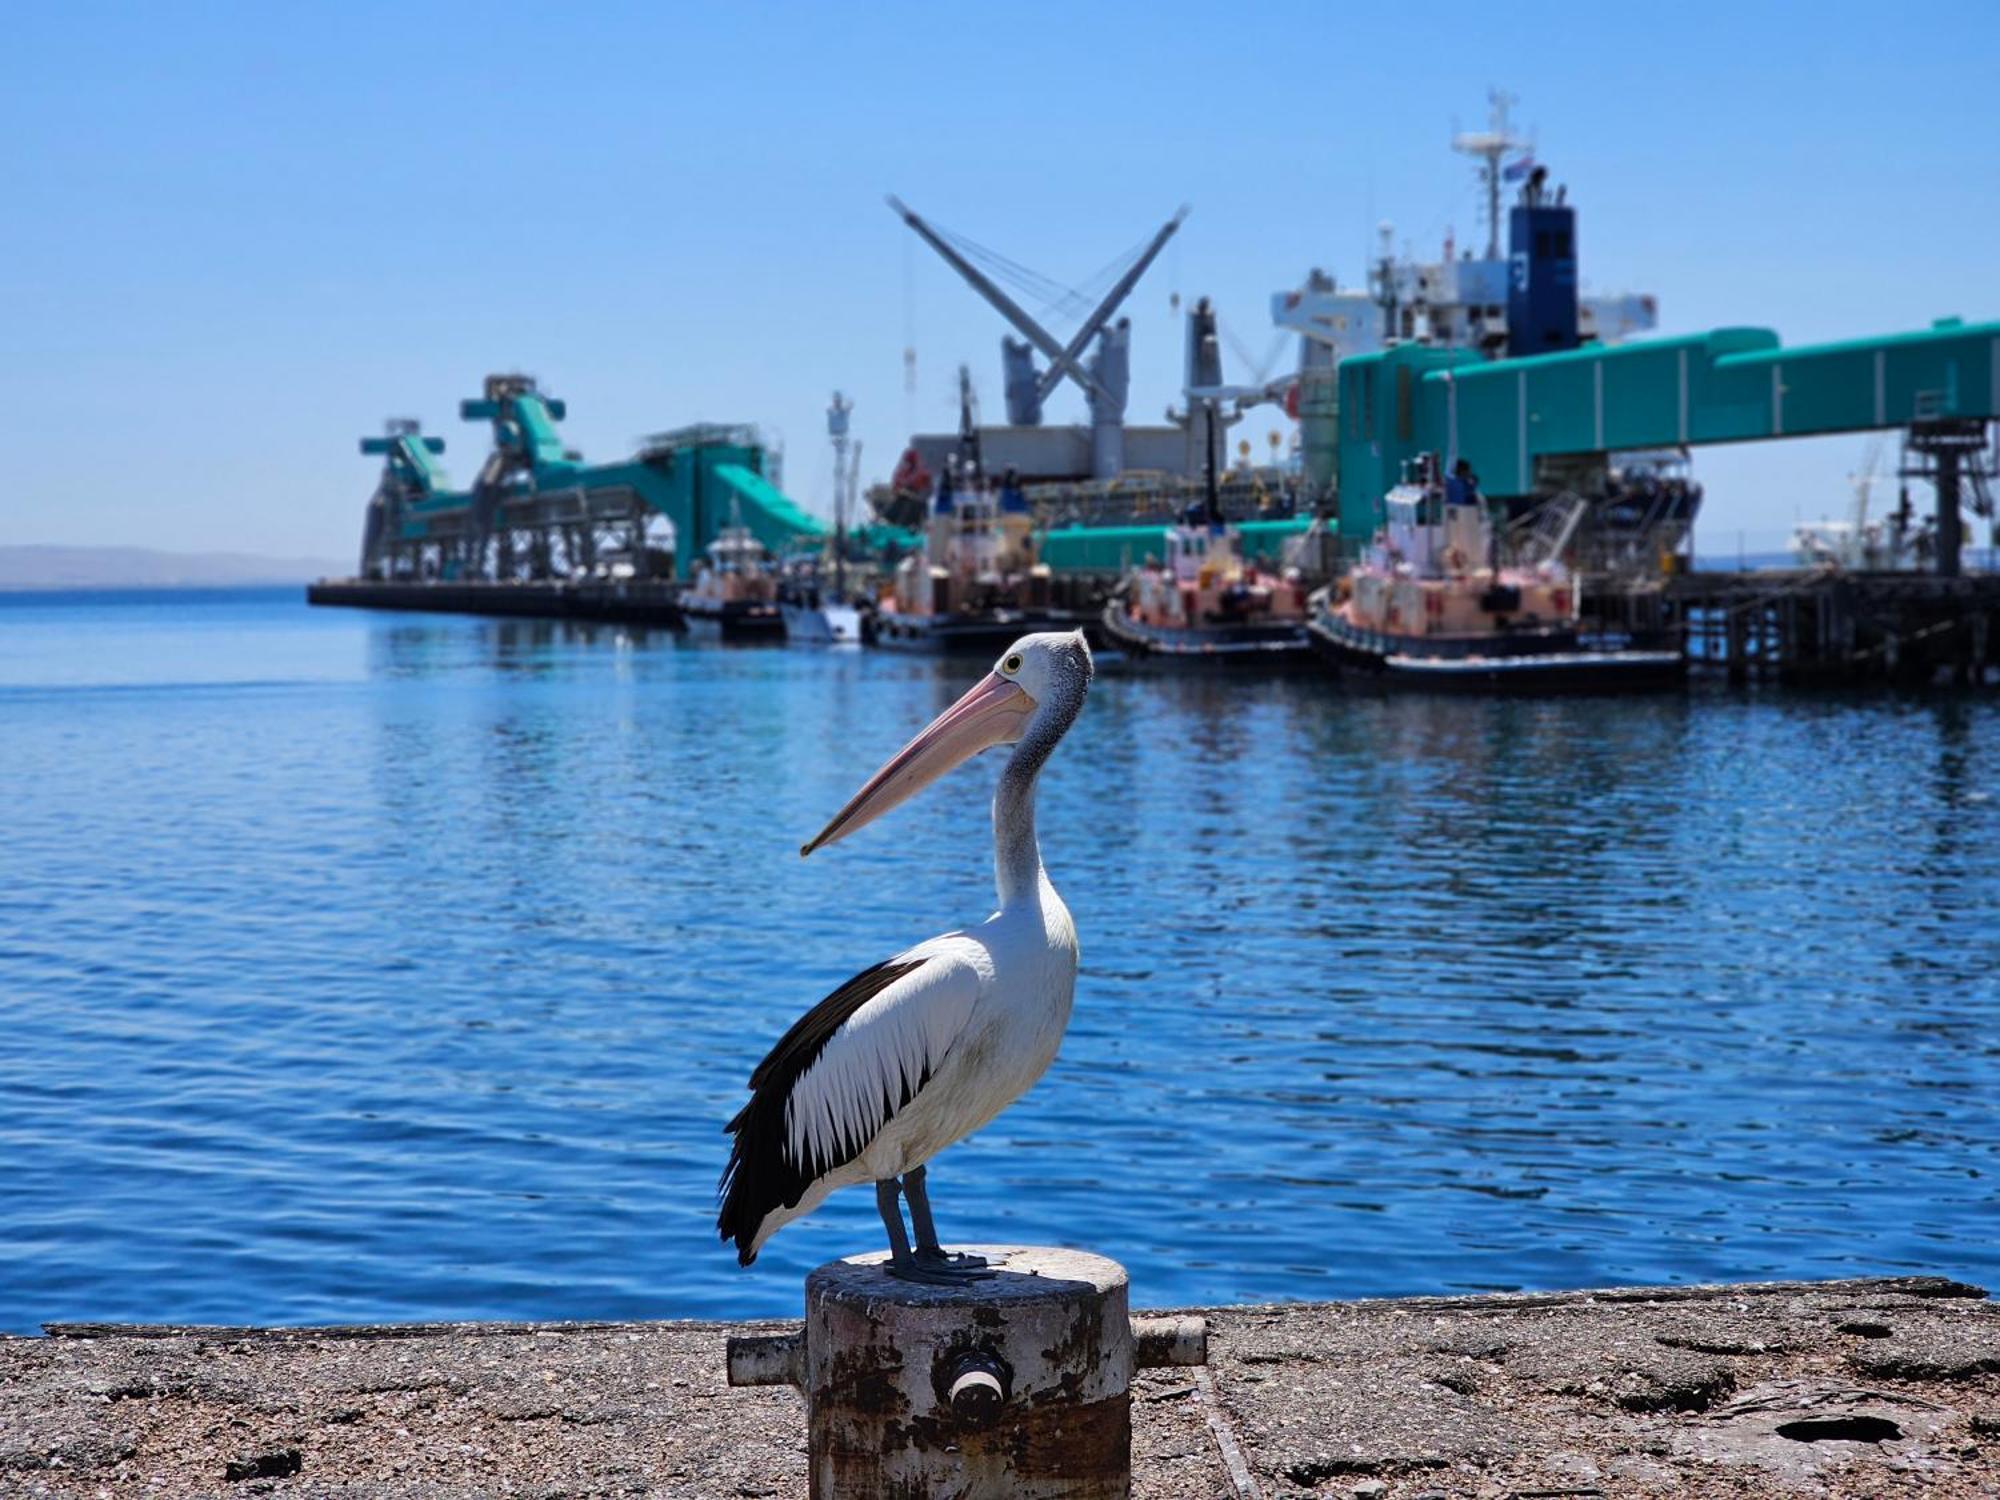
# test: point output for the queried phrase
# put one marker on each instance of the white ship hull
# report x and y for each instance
(822, 625)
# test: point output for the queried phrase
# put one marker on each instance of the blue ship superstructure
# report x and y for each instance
(1525, 299)
(1542, 291)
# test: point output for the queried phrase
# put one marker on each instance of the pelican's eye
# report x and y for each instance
(1012, 663)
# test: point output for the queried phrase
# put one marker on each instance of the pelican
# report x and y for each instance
(920, 1051)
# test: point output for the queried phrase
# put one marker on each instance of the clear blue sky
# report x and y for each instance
(239, 236)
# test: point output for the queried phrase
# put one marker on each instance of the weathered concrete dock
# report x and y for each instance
(1850, 1388)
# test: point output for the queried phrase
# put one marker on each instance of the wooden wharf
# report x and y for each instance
(1831, 626)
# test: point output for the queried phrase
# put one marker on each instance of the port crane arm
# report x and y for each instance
(1047, 382)
(1242, 395)
(1061, 362)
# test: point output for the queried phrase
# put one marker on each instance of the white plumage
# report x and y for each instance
(889, 1048)
(920, 1051)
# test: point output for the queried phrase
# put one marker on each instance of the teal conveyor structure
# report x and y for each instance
(1519, 422)
(537, 511)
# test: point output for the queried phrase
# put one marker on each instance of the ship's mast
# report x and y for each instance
(836, 428)
(971, 465)
(1382, 280)
(1489, 146)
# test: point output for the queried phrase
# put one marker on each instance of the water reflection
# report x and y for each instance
(433, 645)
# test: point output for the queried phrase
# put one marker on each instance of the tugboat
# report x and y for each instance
(973, 585)
(1431, 605)
(734, 595)
(1208, 606)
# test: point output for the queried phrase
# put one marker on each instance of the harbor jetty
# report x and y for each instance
(1826, 625)
(541, 532)
(625, 601)
(1877, 1387)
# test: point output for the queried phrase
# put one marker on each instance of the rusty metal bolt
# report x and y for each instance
(976, 1387)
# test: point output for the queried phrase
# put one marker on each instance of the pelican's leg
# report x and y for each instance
(892, 1220)
(928, 1248)
(904, 1265)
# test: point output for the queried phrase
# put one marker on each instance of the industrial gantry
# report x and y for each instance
(1509, 417)
(537, 511)
(1557, 406)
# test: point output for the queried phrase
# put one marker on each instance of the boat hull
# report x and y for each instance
(822, 624)
(1271, 644)
(986, 633)
(1551, 662)
(735, 620)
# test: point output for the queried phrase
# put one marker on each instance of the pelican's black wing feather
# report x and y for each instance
(761, 1175)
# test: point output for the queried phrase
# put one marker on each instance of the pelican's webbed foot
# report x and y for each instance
(954, 1260)
(930, 1264)
(941, 1270)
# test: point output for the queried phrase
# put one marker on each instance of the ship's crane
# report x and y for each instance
(1104, 381)
(1205, 419)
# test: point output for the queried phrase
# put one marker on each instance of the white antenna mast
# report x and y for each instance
(1490, 145)
(836, 429)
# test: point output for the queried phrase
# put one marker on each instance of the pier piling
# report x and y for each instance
(1016, 1385)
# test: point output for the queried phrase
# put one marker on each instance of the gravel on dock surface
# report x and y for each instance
(1884, 1387)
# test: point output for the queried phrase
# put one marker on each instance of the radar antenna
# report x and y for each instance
(1489, 146)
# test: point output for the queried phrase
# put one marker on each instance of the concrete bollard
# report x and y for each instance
(1017, 1386)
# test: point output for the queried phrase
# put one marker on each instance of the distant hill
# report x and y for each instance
(143, 568)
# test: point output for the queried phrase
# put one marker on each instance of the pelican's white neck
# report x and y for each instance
(1017, 858)
(1017, 855)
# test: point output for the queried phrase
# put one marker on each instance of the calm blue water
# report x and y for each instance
(376, 967)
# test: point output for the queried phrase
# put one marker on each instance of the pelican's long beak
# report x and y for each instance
(991, 714)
